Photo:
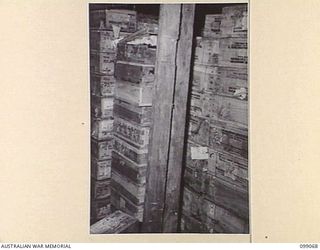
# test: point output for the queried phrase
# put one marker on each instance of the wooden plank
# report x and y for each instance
(177, 140)
(115, 223)
(169, 23)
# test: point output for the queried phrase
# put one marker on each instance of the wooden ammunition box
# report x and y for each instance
(135, 94)
(128, 169)
(204, 77)
(131, 131)
(227, 195)
(134, 72)
(133, 191)
(229, 168)
(115, 223)
(227, 222)
(191, 225)
(234, 22)
(202, 104)
(121, 202)
(100, 170)
(212, 26)
(193, 178)
(101, 150)
(207, 51)
(136, 53)
(148, 22)
(100, 208)
(230, 141)
(102, 129)
(231, 80)
(233, 52)
(133, 153)
(100, 188)
(102, 62)
(228, 109)
(104, 40)
(132, 113)
(126, 20)
(101, 106)
(199, 130)
(106, 19)
(192, 203)
(102, 85)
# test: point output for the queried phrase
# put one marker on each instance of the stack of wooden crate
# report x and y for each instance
(215, 197)
(134, 74)
(104, 34)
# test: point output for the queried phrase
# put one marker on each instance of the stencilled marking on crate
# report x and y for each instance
(139, 156)
(100, 169)
(135, 133)
(102, 150)
(102, 128)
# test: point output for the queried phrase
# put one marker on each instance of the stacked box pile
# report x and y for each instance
(107, 27)
(215, 195)
(134, 73)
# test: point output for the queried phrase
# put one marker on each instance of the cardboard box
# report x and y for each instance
(100, 170)
(101, 150)
(102, 129)
(102, 85)
(133, 132)
(135, 72)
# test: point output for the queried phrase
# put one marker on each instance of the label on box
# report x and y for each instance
(199, 153)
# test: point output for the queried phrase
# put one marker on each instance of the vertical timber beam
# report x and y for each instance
(174, 172)
(170, 89)
(169, 22)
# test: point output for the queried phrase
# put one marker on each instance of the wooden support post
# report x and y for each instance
(172, 201)
(170, 90)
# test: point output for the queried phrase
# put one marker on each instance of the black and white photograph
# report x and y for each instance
(169, 118)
